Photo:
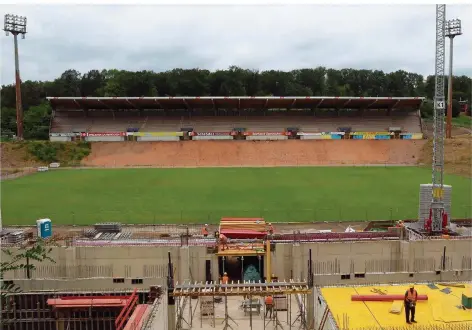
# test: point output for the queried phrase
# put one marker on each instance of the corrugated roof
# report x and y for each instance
(235, 102)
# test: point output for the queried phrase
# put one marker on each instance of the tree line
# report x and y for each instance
(234, 81)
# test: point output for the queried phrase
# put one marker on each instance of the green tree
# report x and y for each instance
(36, 122)
(24, 259)
(233, 81)
(8, 122)
(456, 108)
(427, 109)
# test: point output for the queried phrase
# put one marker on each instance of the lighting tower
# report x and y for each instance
(453, 28)
(435, 224)
(16, 25)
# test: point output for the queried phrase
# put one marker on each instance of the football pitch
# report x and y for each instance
(200, 195)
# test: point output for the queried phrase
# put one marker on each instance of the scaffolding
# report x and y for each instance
(207, 292)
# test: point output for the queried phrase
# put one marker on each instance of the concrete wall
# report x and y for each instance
(128, 262)
(358, 262)
(375, 257)
(158, 315)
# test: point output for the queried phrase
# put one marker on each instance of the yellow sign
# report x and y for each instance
(417, 136)
(158, 134)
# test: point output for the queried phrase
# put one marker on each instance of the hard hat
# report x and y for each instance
(225, 273)
(412, 286)
(206, 225)
(270, 224)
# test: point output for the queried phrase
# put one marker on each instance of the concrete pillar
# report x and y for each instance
(215, 275)
(298, 262)
(171, 318)
(184, 264)
(310, 310)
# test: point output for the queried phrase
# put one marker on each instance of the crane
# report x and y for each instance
(438, 218)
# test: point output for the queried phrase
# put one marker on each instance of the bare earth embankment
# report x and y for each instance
(254, 153)
(457, 154)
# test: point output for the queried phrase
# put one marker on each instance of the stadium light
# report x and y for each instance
(453, 28)
(16, 25)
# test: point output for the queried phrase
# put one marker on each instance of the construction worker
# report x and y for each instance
(223, 242)
(225, 278)
(411, 296)
(205, 230)
(269, 304)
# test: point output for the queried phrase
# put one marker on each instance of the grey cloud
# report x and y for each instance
(386, 37)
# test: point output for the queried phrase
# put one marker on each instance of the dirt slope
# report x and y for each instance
(15, 155)
(254, 153)
(457, 154)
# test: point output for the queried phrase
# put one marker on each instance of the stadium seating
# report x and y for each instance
(107, 121)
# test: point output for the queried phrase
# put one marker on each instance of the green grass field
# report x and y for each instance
(463, 121)
(205, 194)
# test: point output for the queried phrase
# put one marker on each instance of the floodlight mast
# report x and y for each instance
(437, 204)
(16, 25)
(453, 28)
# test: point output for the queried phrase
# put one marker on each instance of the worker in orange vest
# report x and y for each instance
(205, 230)
(225, 278)
(269, 303)
(400, 224)
(411, 296)
(223, 242)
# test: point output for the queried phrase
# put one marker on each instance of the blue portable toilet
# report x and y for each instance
(44, 228)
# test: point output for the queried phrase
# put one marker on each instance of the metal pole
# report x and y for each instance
(242, 268)
(19, 108)
(449, 92)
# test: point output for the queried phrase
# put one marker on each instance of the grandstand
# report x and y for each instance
(228, 118)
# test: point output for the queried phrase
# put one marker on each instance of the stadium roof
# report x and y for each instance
(235, 102)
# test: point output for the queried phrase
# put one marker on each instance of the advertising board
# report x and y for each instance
(94, 134)
(158, 133)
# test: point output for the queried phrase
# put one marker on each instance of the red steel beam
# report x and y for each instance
(125, 311)
(387, 297)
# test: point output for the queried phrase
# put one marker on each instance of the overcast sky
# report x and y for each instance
(159, 38)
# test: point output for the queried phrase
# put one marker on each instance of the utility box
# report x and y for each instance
(467, 299)
(44, 228)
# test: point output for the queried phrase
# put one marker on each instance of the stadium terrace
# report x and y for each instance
(234, 118)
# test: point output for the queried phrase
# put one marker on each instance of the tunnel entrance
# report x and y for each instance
(241, 268)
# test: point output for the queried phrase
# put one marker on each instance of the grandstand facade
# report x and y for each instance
(234, 118)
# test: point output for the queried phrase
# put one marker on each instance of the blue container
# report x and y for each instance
(44, 228)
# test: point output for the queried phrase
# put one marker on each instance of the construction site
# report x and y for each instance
(206, 277)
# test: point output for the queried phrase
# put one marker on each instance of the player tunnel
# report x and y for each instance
(242, 267)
